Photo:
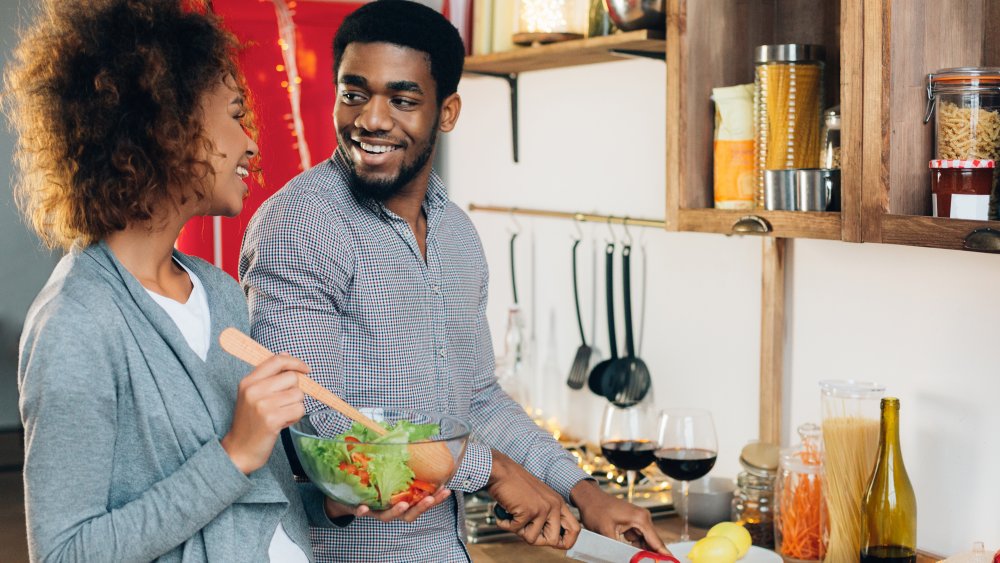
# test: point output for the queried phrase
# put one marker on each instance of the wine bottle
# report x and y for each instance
(889, 509)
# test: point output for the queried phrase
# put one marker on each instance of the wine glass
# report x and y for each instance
(627, 440)
(687, 449)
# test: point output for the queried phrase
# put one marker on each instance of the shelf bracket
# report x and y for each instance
(512, 84)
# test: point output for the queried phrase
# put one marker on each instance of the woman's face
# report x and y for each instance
(222, 110)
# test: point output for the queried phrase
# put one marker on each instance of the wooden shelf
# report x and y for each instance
(711, 44)
(792, 224)
(570, 53)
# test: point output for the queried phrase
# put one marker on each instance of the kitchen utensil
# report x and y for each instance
(513, 277)
(340, 466)
(428, 463)
(596, 380)
(815, 187)
(754, 555)
(578, 372)
(630, 15)
(592, 547)
(709, 500)
(627, 379)
(779, 189)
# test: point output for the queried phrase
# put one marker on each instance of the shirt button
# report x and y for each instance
(436, 289)
(442, 352)
(467, 484)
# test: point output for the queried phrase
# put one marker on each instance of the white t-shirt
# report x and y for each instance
(194, 320)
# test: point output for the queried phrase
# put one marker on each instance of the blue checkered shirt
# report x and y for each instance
(343, 286)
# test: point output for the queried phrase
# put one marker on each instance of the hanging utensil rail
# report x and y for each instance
(582, 217)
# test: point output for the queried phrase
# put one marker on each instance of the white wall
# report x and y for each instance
(592, 139)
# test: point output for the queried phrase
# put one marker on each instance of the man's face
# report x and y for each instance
(387, 117)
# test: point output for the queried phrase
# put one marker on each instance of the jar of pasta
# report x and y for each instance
(788, 101)
(965, 105)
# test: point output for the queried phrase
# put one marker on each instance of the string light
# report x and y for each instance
(286, 32)
(543, 16)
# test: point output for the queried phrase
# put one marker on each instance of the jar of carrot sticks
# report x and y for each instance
(800, 511)
(788, 101)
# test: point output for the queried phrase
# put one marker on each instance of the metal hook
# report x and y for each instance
(614, 238)
(576, 223)
(628, 240)
(517, 226)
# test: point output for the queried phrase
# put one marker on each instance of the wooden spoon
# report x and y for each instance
(430, 462)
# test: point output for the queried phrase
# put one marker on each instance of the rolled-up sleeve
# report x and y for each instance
(499, 422)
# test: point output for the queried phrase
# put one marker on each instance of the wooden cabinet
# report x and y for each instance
(710, 43)
(878, 54)
(904, 41)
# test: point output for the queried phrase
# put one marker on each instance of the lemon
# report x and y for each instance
(716, 549)
(735, 533)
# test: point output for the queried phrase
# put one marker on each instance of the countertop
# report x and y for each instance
(511, 549)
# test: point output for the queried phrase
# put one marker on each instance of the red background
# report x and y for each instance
(255, 24)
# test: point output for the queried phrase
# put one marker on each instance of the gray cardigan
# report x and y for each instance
(122, 425)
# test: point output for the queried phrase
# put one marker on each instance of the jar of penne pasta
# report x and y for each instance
(788, 101)
(965, 105)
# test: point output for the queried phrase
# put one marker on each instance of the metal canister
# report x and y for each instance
(788, 100)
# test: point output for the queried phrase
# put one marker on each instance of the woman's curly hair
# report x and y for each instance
(104, 96)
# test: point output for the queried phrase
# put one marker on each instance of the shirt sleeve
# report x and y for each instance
(500, 423)
(296, 276)
(69, 411)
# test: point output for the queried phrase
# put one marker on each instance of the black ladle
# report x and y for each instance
(627, 380)
(596, 380)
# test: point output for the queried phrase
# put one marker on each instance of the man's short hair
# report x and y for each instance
(407, 24)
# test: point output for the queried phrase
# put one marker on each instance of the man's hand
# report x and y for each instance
(540, 516)
(399, 511)
(612, 517)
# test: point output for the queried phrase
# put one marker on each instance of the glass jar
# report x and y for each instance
(965, 104)
(830, 157)
(753, 500)
(851, 415)
(548, 21)
(799, 509)
(960, 189)
(788, 101)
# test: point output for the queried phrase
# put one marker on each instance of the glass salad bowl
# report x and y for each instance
(353, 465)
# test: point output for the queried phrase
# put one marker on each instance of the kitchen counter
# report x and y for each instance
(511, 549)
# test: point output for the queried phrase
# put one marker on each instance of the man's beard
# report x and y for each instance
(382, 190)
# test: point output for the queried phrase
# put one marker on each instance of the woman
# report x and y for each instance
(130, 115)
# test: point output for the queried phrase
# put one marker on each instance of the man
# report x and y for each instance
(362, 268)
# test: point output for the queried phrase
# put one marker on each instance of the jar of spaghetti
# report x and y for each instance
(788, 101)
(965, 104)
(799, 508)
(960, 189)
(851, 415)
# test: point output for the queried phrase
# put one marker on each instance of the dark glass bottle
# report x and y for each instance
(889, 510)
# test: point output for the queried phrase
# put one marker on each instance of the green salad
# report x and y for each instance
(361, 467)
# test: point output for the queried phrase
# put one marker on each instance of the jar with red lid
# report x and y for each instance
(960, 189)
(965, 104)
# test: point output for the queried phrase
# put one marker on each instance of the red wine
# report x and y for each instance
(629, 455)
(685, 464)
(888, 554)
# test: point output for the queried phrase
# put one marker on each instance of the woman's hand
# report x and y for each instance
(269, 400)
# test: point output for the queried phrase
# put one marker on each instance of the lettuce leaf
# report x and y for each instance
(386, 463)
